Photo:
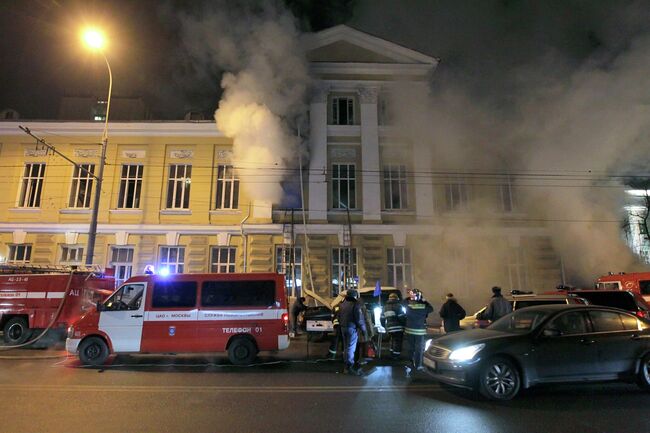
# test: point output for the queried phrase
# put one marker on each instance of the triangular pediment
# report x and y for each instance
(343, 44)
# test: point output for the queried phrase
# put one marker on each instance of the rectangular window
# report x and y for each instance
(399, 267)
(174, 294)
(32, 185)
(223, 260)
(456, 196)
(238, 293)
(130, 186)
(82, 186)
(507, 196)
(342, 110)
(122, 262)
(290, 268)
(172, 259)
(395, 187)
(21, 253)
(227, 188)
(344, 195)
(344, 269)
(516, 269)
(71, 254)
(178, 186)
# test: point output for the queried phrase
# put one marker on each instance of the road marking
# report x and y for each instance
(216, 389)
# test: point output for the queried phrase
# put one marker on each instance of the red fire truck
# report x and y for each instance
(638, 282)
(33, 298)
(184, 313)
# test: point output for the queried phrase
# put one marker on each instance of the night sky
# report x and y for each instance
(483, 45)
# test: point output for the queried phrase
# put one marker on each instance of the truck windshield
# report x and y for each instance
(127, 297)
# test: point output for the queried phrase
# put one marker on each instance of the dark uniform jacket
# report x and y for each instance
(351, 315)
(394, 312)
(497, 308)
(416, 316)
(452, 313)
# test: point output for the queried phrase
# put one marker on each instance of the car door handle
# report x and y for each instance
(136, 315)
(586, 341)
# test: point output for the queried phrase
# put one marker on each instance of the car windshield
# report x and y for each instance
(520, 322)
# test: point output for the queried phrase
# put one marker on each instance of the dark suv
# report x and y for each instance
(623, 299)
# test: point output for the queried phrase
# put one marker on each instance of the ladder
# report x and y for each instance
(27, 268)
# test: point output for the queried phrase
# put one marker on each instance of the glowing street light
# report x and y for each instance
(96, 41)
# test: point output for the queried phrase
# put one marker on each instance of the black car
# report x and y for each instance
(545, 344)
(623, 299)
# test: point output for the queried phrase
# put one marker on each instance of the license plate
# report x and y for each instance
(319, 325)
(430, 363)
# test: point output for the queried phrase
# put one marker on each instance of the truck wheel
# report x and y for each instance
(499, 379)
(242, 351)
(16, 331)
(93, 351)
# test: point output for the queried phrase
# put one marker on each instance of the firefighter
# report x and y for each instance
(394, 312)
(350, 319)
(297, 308)
(417, 310)
(337, 340)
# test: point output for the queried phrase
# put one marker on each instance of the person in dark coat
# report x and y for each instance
(417, 310)
(498, 306)
(452, 313)
(351, 321)
(395, 314)
(297, 308)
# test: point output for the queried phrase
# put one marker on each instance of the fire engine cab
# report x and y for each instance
(184, 313)
(35, 298)
(638, 282)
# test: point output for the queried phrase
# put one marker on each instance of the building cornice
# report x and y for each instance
(115, 129)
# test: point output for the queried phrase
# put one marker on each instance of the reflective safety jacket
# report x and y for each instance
(395, 313)
(416, 317)
(335, 316)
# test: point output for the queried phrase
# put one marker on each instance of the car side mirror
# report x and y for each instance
(551, 332)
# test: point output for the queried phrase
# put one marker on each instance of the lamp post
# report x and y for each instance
(95, 40)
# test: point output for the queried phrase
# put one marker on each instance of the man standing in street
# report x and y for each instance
(394, 312)
(350, 319)
(452, 313)
(417, 310)
(297, 308)
(498, 306)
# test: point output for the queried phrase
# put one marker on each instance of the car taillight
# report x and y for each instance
(643, 314)
(285, 319)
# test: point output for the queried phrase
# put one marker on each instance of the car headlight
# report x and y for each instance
(466, 353)
(70, 331)
(427, 344)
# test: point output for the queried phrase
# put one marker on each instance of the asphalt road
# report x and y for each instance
(42, 391)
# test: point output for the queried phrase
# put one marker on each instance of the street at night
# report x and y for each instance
(286, 393)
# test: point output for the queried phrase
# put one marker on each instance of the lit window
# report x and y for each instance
(344, 269)
(172, 259)
(32, 185)
(290, 268)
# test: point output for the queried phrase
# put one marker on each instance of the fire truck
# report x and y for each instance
(35, 298)
(638, 282)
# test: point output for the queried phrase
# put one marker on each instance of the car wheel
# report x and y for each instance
(499, 379)
(93, 351)
(16, 331)
(242, 351)
(643, 379)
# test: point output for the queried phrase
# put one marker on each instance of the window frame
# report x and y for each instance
(119, 265)
(349, 183)
(130, 181)
(178, 186)
(456, 195)
(65, 258)
(13, 252)
(217, 266)
(282, 266)
(31, 185)
(226, 183)
(82, 179)
(180, 254)
(350, 107)
(339, 265)
(406, 266)
(399, 182)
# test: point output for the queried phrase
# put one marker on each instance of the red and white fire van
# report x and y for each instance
(183, 313)
(638, 282)
(31, 297)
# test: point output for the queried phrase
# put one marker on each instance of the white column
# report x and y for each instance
(318, 155)
(423, 181)
(371, 188)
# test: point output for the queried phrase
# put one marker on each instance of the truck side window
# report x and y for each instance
(174, 294)
(126, 297)
(644, 286)
(238, 294)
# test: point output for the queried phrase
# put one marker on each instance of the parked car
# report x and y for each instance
(544, 344)
(623, 299)
(523, 301)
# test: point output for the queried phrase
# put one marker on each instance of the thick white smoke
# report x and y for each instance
(263, 89)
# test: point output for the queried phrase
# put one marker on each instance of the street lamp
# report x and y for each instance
(95, 40)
